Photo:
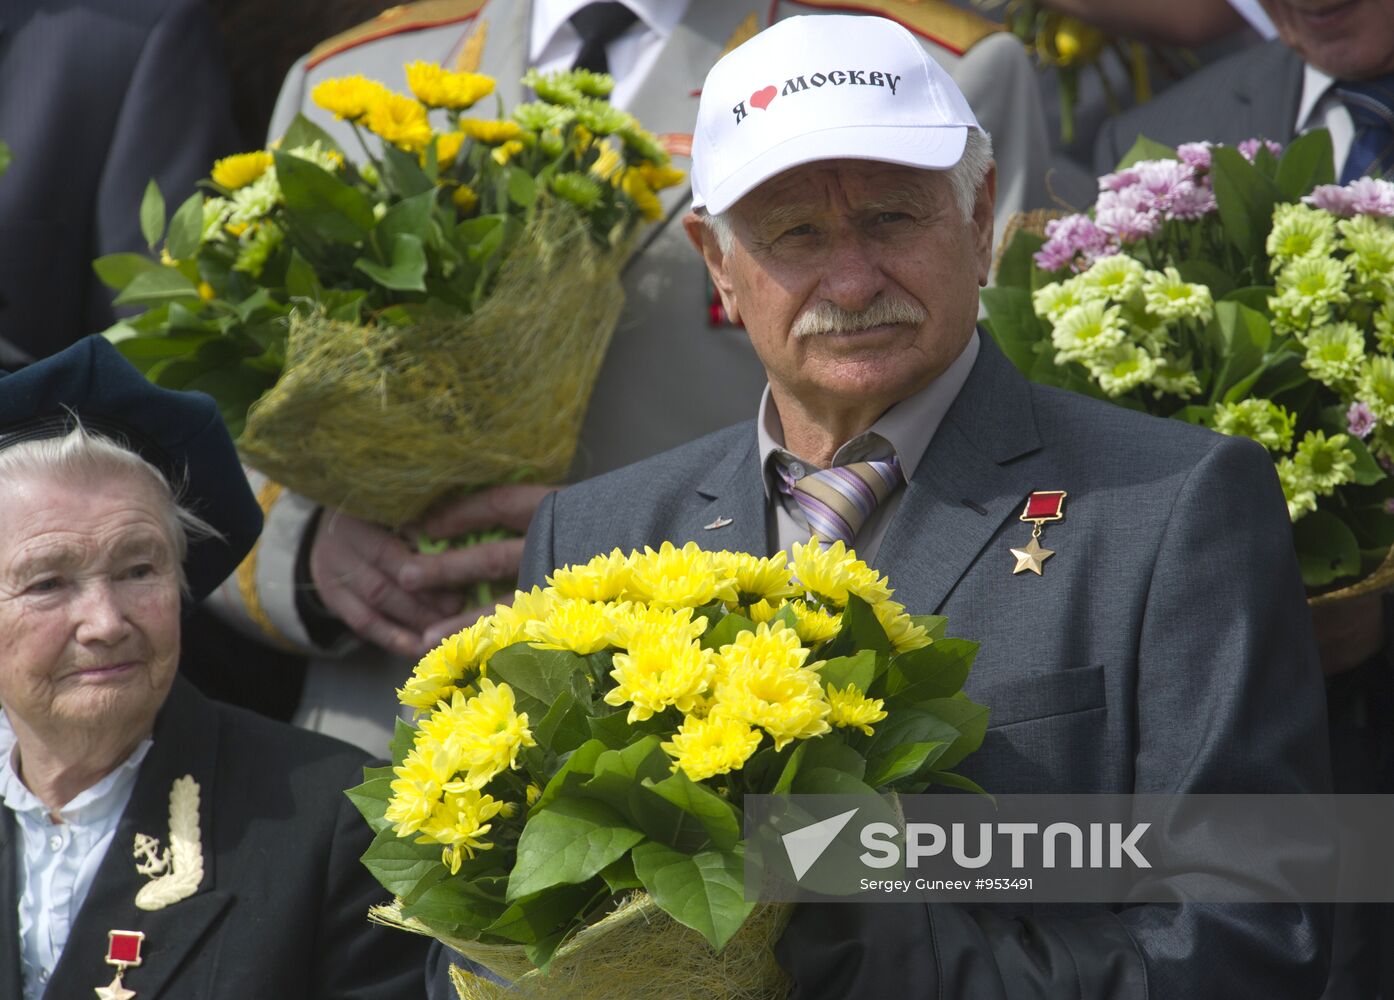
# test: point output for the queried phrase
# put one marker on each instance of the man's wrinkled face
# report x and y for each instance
(856, 280)
(1346, 39)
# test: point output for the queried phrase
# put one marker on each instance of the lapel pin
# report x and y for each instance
(175, 872)
(122, 951)
(720, 522)
(1042, 507)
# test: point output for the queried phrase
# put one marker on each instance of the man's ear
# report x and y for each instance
(709, 247)
(982, 222)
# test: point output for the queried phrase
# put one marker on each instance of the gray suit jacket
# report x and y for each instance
(1251, 94)
(1167, 648)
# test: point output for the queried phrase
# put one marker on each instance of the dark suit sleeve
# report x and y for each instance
(175, 120)
(359, 960)
(538, 552)
(1229, 699)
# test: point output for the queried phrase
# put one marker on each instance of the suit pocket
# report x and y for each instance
(1041, 696)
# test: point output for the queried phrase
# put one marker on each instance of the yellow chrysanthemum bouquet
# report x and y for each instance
(568, 813)
(1237, 288)
(428, 319)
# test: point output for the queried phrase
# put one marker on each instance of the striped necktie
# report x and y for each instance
(1371, 107)
(838, 501)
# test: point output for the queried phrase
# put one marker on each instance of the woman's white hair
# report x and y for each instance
(81, 458)
(965, 177)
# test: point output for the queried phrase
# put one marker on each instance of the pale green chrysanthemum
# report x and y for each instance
(255, 251)
(1376, 387)
(1384, 325)
(1325, 461)
(539, 116)
(1155, 338)
(1121, 368)
(642, 143)
(1370, 241)
(317, 154)
(215, 214)
(1297, 489)
(1176, 378)
(369, 173)
(1262, 420)
(1300, 231)
(1335, 354)
(1315, 279)
(256, 200)
(551, 143)
(602, 117)
(580, 189)
(1169, 298)
(1117, 277)
(590, 83)
(1053, 301)
(1295, 314)
(1085, 331)
(554, 88)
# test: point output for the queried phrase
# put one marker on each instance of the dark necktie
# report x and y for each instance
(838, 501)
(599, 24)
(1371, 107)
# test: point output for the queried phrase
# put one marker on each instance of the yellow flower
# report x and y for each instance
(629, 621)
(579, 625)
(815, 625)
(439, 88)
(447, 148)
(786, 703)
(532, 793)
(206, 292)
(233, 172)
(835, 572)
(704, 747)
(401, 121)
(480, 736)
(417, 787)
(852, 708)
(674, 578)
(660, 176)
(900, 629)
(438, 673)
(490, 132)
(639, 191)
(659, 670)
(460, 822)
(349, 97)
(758, 579)
(775, 646)
(581, 138)
(508, 623)
(236, 228)
(607, 165)
(464, 198)
(763, 611)
(602, 579)
(507, 151)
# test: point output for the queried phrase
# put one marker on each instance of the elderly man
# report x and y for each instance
(1152, 640)
(154, 844)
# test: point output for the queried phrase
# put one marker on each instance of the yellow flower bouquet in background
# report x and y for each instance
(426, 320)
(569, 812)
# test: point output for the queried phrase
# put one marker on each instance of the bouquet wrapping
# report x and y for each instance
(568, 813)
(1241, 289)
(427, 320)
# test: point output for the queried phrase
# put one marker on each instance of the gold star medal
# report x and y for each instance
(1041, 507)
(122, 951)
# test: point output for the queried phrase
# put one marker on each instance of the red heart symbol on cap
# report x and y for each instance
(761, 98)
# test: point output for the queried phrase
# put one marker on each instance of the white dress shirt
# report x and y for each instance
(903, 431)
(555, 44)
(59, 860)
(1321, 108)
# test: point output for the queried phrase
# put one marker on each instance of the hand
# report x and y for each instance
(355, 566)
(497, 507)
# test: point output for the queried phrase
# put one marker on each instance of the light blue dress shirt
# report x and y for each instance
(59, 860)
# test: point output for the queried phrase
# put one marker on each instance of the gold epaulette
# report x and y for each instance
(956, 29)
(394, 21)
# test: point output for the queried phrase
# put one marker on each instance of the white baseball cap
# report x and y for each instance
(823, 87)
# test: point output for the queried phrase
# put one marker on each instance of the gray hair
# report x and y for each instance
(965, 177)
(81, 458)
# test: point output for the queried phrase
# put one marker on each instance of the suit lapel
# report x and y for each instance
(734, 492)
(962, 491)
(1272, 91)
(185, 742)
(11, 980)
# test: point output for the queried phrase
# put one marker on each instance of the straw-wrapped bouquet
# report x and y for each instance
(426, 320)
(569, 812)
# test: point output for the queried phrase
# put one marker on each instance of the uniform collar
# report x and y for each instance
(1316, 85)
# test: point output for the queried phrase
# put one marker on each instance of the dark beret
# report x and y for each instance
(180, 433)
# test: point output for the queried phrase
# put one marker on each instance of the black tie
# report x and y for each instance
(599, 24)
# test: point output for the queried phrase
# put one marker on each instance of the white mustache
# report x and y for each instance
(828, 317)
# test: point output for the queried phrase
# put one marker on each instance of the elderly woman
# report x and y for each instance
(153, 843)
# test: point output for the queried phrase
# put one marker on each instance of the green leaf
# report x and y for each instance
(1307, 162)
(903, 761)
(1253, 296)
(704, 891)
(934, 625)
(568, 843)
(909, 725)
(830, 751)
(1240, 336)
(454, 906)
(569, 777)
(724, 632)
(147, 351)
(1014, 324)
(161, 284)
(968, 717)
(564, 727)
(1203, 272)
(537, 676)
(860, 630)
(1145, 149)
(951, 780)
(1367, 470)
(934, 671)
(1327, 549)
(407, 269)
(1245, 198)
(411, 217)
(522, 189)
(5, 158)
(1017, 264)
(717, 816)
(303, 132)
(301, 280)
(186, 228)
(370, 798)
(538, 917)
(399, 865)
(620, 875)
(403, 740)
(858, 670)
(829, 781)
(117, 270)
(152, 214)
(402, 173)
(323, 203)
(791, 769)
(619, 781)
